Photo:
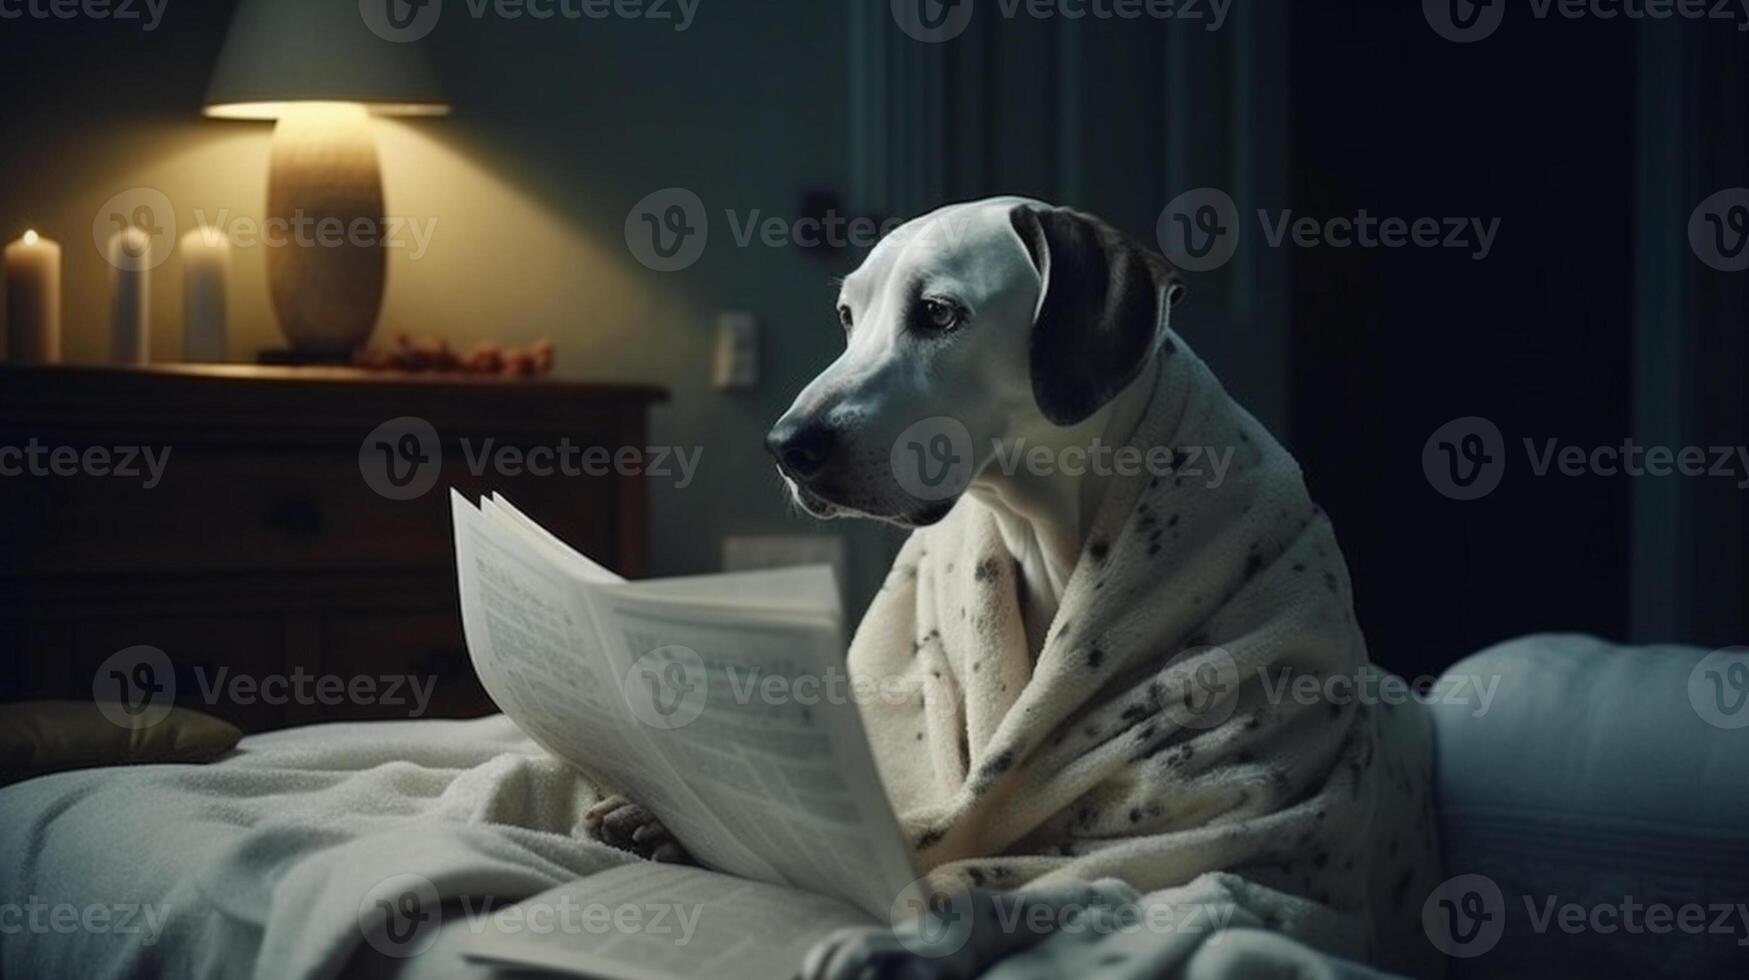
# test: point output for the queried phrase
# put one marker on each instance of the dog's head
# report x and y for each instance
(975, 324)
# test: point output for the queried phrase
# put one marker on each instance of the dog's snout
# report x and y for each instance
(802, 449)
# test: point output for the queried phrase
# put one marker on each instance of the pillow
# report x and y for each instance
(1600, 779)
(38, 737)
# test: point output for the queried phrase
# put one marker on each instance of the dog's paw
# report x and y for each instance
(618, 822)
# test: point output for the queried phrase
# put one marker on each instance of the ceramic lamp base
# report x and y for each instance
(325, 260)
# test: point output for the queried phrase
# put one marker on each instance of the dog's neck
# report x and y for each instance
(1044, 517)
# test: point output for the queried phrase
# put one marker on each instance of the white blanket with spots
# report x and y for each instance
(1179, 722)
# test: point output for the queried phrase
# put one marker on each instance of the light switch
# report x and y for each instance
(737, 350)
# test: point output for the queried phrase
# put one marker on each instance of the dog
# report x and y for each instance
(948, 317)
(1048, 622)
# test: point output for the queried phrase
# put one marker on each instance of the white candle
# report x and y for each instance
(33, 300)
(130, 296)
(206, 270)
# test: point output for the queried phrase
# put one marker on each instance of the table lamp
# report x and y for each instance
(318, 71)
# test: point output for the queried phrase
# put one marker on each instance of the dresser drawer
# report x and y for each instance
(262, 558)
(257, 510)
(207, 656)
(423, 654)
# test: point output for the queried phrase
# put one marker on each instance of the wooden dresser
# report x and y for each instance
(263, 550)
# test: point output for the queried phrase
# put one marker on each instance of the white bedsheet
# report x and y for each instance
(258, 865)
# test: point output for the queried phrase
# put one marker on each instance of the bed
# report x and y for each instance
(259, 863)
(275, 860)
(1593, 771)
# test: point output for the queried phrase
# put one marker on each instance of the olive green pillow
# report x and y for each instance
(38, 737)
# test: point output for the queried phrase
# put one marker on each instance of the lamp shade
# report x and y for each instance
(283, 52)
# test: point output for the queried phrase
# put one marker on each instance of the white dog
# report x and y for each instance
(1096, 660)
(940, 322)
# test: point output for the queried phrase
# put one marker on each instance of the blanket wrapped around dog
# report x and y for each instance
(1178, 722)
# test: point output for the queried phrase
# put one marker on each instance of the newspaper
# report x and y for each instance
(702, 699)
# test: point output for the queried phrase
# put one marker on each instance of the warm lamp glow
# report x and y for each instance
(279, 53)
(318, 70)
(323, 167)
(311, 120)
(30, 237)
(268, 111)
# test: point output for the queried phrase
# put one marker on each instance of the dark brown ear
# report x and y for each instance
(1100, 314)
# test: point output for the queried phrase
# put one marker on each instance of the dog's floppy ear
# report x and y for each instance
(1102, 307)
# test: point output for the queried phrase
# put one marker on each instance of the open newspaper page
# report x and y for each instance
(720, 702)
(756, 714)
(537, 648)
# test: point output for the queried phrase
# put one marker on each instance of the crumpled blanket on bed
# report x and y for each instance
(259, 864)
(1222, 938)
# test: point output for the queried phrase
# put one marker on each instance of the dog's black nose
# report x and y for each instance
(801, 449)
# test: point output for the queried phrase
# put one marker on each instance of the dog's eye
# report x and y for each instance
(845, 320)
(940, 314)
